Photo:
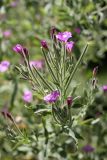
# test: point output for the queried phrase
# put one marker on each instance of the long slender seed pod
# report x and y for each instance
(49, 66)
(76, 67)
(43, 80)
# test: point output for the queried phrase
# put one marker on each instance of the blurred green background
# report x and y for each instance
(28, 22)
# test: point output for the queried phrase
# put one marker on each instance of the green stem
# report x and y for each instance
(70, 119)
(51, 59)
(64, 60)
(13, 94)
(17, 127)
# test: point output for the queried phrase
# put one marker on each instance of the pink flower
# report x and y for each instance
(63, 36)
(88, 148)
(17, 48)
(4, 65)
(52, 97)
(104, 88)
(98, 114)
(69, 46)
(14, 3)
(27, 96)
(78, 30)
(44, 44)
(38, 64)
(7, 33)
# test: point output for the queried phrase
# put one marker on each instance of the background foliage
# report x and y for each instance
(29, 22)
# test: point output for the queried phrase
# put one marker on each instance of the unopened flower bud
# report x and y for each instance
(44, 44)
(94, 82)
(6, 114)
(25, 51)
(52, 31)
(95, 70)
(69, 101)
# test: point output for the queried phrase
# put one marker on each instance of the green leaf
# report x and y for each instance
(42, 110)
(72, 134)
(78, 136)
(41, 106)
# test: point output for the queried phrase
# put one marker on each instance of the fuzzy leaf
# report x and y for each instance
(72, 134)
(42, 110)
(78, 136)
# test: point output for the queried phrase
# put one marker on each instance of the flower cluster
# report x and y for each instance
(62, 37)
(56, 79)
